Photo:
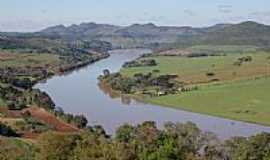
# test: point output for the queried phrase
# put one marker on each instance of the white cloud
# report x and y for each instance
(225, 8)
(189, 12)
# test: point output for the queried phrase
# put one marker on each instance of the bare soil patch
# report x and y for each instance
(48, 118)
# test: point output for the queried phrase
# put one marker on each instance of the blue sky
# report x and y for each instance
(33, 15)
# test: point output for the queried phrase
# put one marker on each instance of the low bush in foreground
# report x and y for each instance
(7, 131)
(146, 142)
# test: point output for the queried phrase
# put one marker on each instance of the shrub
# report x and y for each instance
(210, 74)
(7, 131)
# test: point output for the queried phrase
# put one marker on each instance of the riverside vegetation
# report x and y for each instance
(24, 63)
(194, 69)
(226, 84)
(141, 142)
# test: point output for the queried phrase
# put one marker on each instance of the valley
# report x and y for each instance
(181, 83)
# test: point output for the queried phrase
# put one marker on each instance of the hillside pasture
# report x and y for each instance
(243, 100)
(198, 70)
(24, 60)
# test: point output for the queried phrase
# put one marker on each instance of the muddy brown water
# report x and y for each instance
(79, 93)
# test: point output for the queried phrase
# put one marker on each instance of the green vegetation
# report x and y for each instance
(26, 60)
(218, 71)
(194, 70)
(244, 100)
(7, 131)
(141, 142)
(150, 83)
(2, 102)
(145, 141)
(15, 149)
(79, 121)
(246, 33)
(233, 85)
(224, 49)
(150, 35)
(140, 63)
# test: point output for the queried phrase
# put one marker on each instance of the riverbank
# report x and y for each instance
(242, 101)
(110, 111)
(19, 73)
(238, 92)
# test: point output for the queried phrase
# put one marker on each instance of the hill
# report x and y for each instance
(136, 35)
(142, 35)
(151, 35)
(246, 33)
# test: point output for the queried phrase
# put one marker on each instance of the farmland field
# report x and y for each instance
(245, 100)
(23, 60)
(239, 92)
(194, 70)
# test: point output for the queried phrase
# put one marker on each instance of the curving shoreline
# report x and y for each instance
(111, 112)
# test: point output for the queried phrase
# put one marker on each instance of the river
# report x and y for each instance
(78, 93)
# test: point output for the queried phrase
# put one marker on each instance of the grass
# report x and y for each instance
(224, 48)
(12, 148)
(245, 100)
(24, 60)
(194, 70)
(2, 102)
(242, 93)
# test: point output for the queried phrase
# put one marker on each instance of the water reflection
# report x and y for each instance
(80, 93)
(107, 90)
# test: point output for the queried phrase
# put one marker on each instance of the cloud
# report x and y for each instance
(225, 8)
(260, 14)
(189, 12)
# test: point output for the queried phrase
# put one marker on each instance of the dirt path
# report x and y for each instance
(48, 118)
(9, 113)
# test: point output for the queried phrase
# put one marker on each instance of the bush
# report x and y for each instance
(210, 74)
(140, 63)
(7, 131)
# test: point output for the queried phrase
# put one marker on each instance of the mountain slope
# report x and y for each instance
(152, 36)
(246, 33)
(137, 35)
(148, 35)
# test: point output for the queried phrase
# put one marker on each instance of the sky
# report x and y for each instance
(34, 15)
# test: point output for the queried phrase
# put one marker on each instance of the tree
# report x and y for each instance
(56, 146)
(106, 72)
(255, 147)
(80, 121)
(125, 133)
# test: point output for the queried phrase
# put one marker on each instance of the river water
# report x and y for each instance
(78, 93)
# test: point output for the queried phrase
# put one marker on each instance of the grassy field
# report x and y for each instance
(2, 103)
(194, 70)
(243, 100)
(224, 48)
(239, 94)
(12, 148)
(23, 60)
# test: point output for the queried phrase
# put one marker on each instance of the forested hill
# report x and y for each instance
(246, 33)
(143, 35)
(150, 35)
(31, 43)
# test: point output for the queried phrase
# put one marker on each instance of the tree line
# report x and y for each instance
(146, 142)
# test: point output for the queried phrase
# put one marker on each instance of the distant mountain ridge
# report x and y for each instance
(153, 36)
(147, 35)
(136, 35)
(246, 33)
